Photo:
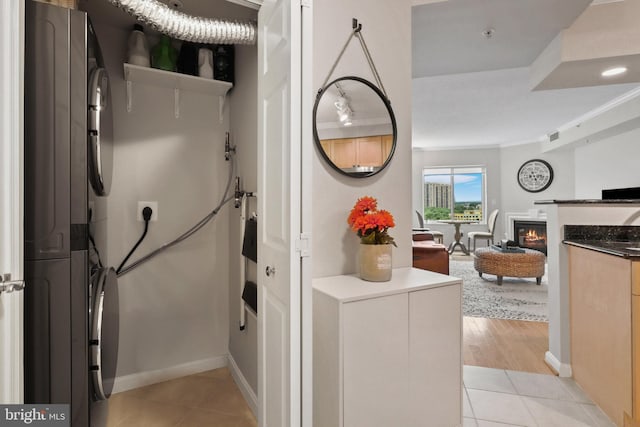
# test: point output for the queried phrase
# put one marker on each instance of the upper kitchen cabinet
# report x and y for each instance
(357, 153)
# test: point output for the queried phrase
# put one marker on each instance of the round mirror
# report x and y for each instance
(354, 127)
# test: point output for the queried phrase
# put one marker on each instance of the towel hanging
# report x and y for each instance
(250, 295)
(250, 242)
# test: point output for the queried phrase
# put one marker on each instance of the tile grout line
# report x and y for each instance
(520, 397)
(563, 387)
(466, 393)
(573, 399)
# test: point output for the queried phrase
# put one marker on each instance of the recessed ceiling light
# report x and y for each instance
(615, 71)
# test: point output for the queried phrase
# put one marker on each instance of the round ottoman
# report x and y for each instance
(527, 264)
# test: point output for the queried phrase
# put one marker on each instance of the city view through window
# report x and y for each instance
(454, 193)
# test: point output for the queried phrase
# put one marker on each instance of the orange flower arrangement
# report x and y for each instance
(370, 224)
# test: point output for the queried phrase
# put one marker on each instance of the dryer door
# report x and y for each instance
(105, 326)
(100, 129)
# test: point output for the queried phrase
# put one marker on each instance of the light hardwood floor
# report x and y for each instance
(506, 344)
(209, 399)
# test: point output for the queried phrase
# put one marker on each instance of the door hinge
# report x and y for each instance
(303, 245)
(7, 285)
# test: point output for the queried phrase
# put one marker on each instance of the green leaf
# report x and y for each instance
(369, 239)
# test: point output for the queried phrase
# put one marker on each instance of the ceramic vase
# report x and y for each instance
(375, 262)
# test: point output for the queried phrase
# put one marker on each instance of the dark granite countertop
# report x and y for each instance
(589, 202)
(617, 240)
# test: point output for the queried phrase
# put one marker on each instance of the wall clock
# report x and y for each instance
(535, 175)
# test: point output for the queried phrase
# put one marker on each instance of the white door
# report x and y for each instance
(11, 229)
(279, 222)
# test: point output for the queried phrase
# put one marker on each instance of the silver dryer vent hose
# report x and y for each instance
(181, 26)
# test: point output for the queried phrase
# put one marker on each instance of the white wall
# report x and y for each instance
(488, 157)
(387, 31)
(503, 190)
(611, 163)
(174, 308)
(243, 345)
(514, 198)
(354, 131)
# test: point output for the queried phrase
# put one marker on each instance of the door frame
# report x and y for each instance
(11, 197)
(299, 383)
(306, 214)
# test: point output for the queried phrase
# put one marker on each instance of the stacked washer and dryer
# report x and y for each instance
(71, 297)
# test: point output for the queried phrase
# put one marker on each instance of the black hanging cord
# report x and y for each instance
(95, 248)
(146, 214)
(92, 240)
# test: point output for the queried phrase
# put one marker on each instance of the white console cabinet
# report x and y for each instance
(387, 354)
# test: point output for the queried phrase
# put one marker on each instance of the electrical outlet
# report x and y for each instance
(154, 208)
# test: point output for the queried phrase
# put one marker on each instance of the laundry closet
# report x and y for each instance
(180, 311)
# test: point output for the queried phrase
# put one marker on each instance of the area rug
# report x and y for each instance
(516, 299)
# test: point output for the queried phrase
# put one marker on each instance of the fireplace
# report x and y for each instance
(531, 234)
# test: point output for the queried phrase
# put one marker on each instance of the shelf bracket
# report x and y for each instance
(176, 105)
(221, 100)
(129, 95)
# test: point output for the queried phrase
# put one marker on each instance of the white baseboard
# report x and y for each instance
(563, 369)
(243, 385)
(141, 379)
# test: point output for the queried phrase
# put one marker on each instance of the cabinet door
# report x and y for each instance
(47, 136)
(375, 369)
(387, 143)
(326, 147)
(600, 319)
(635, 338)
(435, 356)
(635, 327)
(370, 151)
(343, 152)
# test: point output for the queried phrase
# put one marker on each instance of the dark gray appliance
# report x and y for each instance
(631, 193)
(71, 304)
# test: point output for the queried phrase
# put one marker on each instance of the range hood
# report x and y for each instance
(606, 35)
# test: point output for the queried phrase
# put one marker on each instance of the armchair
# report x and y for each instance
(437, 235)
(484, 235)
(429, 255)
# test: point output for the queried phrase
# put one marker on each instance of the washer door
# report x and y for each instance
(105, 327)
(100, 132)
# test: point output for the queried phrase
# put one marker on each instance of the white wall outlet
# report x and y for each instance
(152, 205)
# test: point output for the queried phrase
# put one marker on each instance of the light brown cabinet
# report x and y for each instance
(604, 295)
(387, 143)
(344, 153)
(635, 330)
(352, 152)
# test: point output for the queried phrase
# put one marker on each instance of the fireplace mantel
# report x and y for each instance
(530, 215)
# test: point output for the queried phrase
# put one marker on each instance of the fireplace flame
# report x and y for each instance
(533, 236)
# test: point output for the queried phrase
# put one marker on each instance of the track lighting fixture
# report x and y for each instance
(343, 109)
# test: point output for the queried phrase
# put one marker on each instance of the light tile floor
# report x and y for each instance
(209, 399)
(492, 398)
(499, 398)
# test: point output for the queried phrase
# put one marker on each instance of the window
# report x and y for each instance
(454, 193)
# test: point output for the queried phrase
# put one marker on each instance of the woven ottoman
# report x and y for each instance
(527, 264)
